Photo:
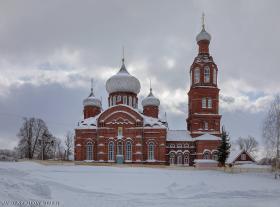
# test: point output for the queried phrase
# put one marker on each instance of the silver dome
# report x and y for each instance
(150, 100)
(123, 82)
(203, 35)
(91, 100)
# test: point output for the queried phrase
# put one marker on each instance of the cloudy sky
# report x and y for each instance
(49, 50)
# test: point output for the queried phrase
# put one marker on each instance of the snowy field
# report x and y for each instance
(82, 186)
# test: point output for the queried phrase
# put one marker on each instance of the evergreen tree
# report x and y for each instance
(223, 150)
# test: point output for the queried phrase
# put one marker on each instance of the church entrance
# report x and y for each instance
(119, 157)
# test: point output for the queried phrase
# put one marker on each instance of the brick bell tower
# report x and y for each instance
(203, 115)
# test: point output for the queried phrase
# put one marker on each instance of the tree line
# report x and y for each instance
(37, 142)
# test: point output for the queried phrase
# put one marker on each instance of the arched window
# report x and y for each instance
(172, 159)
(214, 76)
(206, 74)
(130, 101)
(209, 103)
(111, 151)
(179, 159)
(186, 159)
(114, 100)
(119, 98)
(128, 151)
(89, 151)
(125, 100)
(110, 102)
(206, 155)
(120, 148)
(204, 103)
(196, 75)
(151, 151)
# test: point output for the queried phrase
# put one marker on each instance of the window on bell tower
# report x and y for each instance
(214, 76)
(209, 103)
(206, 74)
(196, 75)
(203, 103)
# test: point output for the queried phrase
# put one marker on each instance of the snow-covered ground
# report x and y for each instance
(82, 186)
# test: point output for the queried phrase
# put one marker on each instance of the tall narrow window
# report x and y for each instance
(151, 151)
(120, 131)
(119, 98)
(214, 76)
(196, 75)
(203, 103)
(172, 159)
(125, 100)
(134, 102)
(186, 159)
(114, 100)
(179, 159)
(130, 101)
(209, 103)
(89, 151)
(120, 148)
(206, 125)
(111, 151)
(206, 74)
(128, 151)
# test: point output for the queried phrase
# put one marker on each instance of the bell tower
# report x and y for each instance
(203, 113)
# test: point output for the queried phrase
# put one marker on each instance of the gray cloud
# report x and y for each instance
(50, 49)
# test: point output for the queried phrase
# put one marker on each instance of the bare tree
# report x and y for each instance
(249, 144)
(271, 131)
(59, 150)
(35, 139)
(69, 142)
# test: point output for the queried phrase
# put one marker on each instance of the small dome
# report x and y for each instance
(150, 100)
(91, 100)
(123, 82)
(203, 35)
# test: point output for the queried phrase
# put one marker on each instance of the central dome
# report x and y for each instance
(123, 82)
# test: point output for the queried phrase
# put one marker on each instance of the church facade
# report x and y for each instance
(123, 133)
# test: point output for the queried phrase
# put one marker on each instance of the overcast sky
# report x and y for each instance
(49, 50)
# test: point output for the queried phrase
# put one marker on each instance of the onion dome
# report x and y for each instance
(150, 100)
(123, 82)
(91, 100)
(203, 35)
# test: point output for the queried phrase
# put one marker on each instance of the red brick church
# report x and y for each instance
(124, 133)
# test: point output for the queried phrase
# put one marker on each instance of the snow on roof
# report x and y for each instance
(205, 161)
(233, 155)
(89, 123)
(207, 137)
(153, 122)
(178, 135)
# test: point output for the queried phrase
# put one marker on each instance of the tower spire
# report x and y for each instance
(203, 20)
(123, 54)
(150, 86)
(91, 87)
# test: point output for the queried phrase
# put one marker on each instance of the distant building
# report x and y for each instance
(123, 133)
(239, 157)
